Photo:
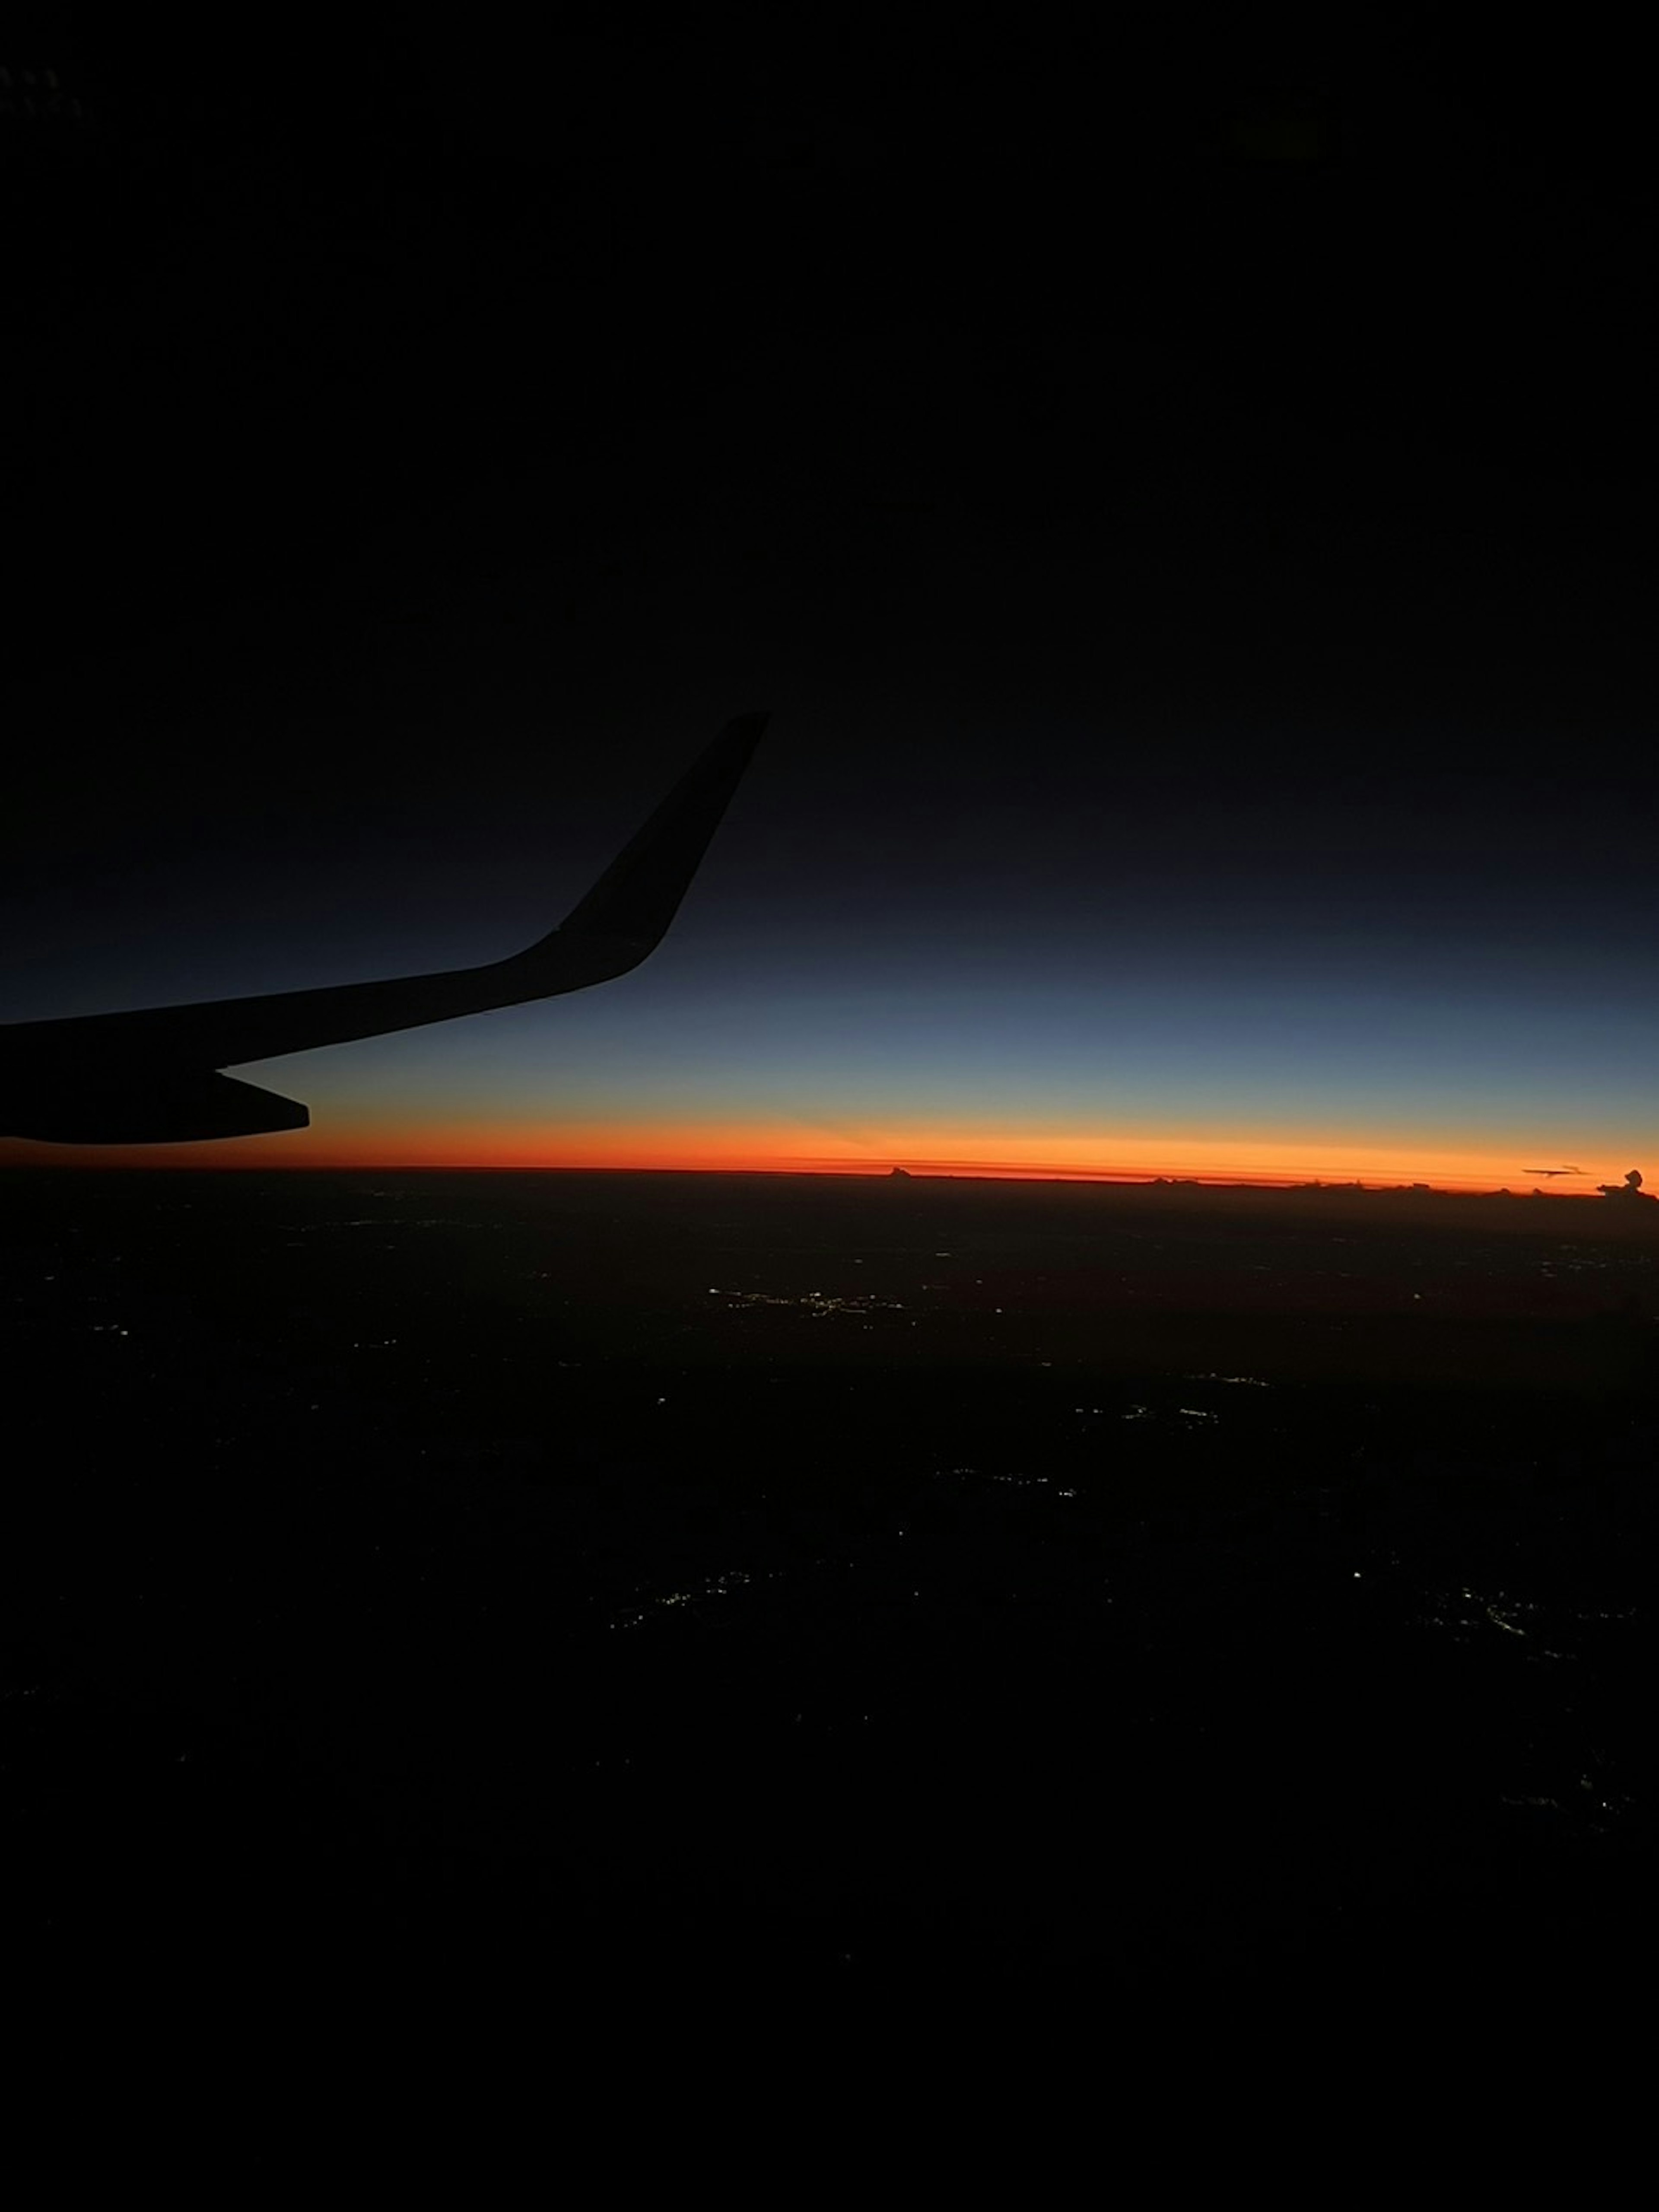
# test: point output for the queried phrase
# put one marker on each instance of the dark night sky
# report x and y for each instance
(1186, 499)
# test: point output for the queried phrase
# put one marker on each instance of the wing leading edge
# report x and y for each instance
(153, 1076)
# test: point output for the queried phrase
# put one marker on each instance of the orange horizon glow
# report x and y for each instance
(1269, 1162)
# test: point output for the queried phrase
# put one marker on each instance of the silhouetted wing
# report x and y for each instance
(617, 925)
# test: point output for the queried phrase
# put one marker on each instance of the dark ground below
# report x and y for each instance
(635, 1588)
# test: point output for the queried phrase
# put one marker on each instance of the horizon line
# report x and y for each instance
(126, 1165)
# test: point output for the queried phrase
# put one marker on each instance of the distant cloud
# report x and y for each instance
(1631, 1187)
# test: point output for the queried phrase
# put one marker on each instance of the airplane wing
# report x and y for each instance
(154, 1076)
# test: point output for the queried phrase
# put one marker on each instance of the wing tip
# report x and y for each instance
(638, 894)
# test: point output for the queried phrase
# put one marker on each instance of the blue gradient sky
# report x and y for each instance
(1088, 977)
(1200, 571)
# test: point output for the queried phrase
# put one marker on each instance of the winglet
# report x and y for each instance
(639, 894)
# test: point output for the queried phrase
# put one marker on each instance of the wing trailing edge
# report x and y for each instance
(172, 1109)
